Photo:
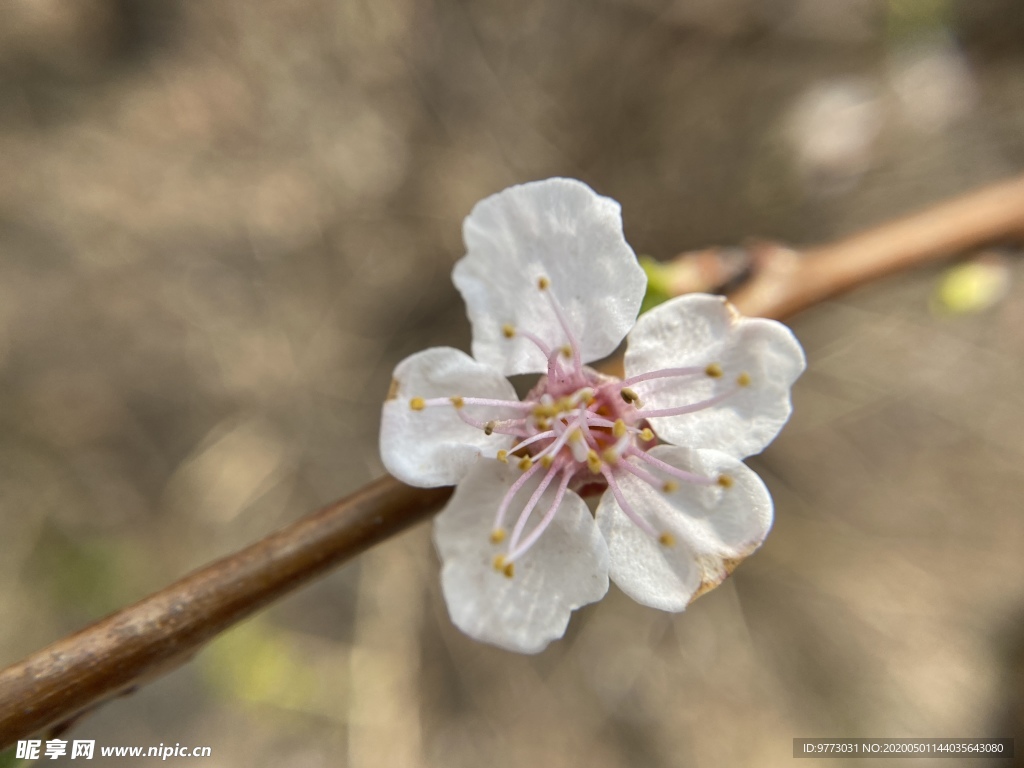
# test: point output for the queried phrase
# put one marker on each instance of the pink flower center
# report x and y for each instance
(580, 429)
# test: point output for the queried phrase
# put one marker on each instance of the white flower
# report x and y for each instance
(551, 285)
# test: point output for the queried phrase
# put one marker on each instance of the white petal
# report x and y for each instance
(697, 330)
(434, 446)
(565, 569)
(714, 528)
(562, 230)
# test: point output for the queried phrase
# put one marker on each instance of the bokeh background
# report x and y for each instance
(222, 223)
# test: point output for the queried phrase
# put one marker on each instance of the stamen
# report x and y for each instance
(496, 403)
(545, 407)
(417, 403)
(646, 434)
(503, 566)
(497, 535)
(714, 371)
(670, 486)
(630, 397)
(668, 469)
(543, 283)
(667, 539)
(578, 445)
(662, 374)
(593, 461)
(509, 331)
(619, 428)
(528, 509)
(743, 379)
(511, 492)
(502, 456)
(692, 408)
(544, 348)
(642, 473)
(563, 437)
(588, 436)
(554, 369)
(513, 427)
(545, 521)
(614, 452)
(458, 401)
(624, 505)
(725, 481)
(569, 335)
(489, 428)
(525, 463)
(532, 439)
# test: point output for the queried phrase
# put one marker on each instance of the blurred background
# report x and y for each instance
(223, 223)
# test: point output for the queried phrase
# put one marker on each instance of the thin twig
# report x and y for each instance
(52, 687)
(163, 631)
(785, 282)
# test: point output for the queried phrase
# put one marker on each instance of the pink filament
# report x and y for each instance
(544, 522)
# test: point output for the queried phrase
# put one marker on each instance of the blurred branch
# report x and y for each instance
(163, 631)
(53, 687)
(783, 281)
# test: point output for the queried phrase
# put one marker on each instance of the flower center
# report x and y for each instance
(582, 430)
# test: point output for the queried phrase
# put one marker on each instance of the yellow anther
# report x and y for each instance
(544, 424)
(588, 397)
(547, 460)
(630, 396)
(619, 428)
(458, 402)
(489, 428)
(509, 570)
(670, 486)
(714, 371)
(743, 379)
(508, 330)
(646, 434)
(497, 536)
(502, 456)
(725, 481)
(525, 463)
(575, 436)
(610, 455)
(543, 283)
(593, 461)
(667, 540)
(417, 403)
(566, 352)
(499, 563)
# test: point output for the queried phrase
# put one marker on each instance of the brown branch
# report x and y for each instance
(166, 629)
(139, 643)
(785, 282)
